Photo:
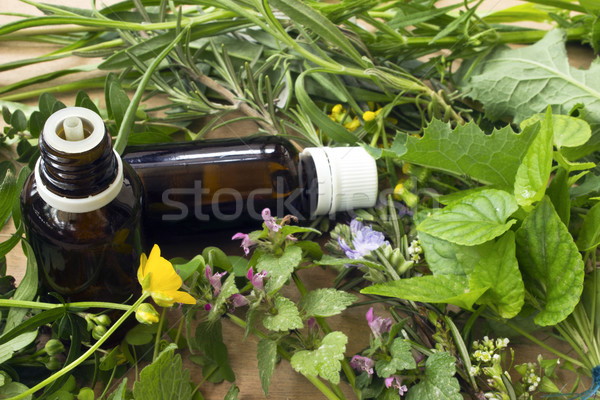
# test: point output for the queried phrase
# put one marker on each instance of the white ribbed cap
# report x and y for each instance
(347, 178)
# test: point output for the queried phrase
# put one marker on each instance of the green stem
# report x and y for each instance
(390, 269)
(48, 306)
(129, 116)
(323, 388)
(158, 333)
(65, 370)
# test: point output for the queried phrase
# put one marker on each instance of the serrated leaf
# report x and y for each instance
(287, 317)
(325, 360)
(499, 271)
(474, 219)
(534, 172)
(227, 290)
(521, 82)
(326, 302)
(467, 150)
(267, 358)
(439, 382)
(164, 379)
(551, 264)
(451, 289)
(279, 269)
(402, 359)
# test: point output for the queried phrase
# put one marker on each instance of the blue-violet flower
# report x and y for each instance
(364, 240)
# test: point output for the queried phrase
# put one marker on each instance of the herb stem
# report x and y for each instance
(48, 306)
(65, 370)
(158, 333)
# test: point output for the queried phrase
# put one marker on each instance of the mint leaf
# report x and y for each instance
(326, 302)
(402, 359)
(499, 271)
(521, 82)
(534, 172)
(287, 317)
(452, 289)
(440, 255)
(474, 219)
(439, 382)
(279, 269)
(551, 263)
(164, 379)
(267, 358)
(467, 150)
(324, 361)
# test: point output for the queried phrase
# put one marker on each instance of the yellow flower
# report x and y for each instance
(369, 116)
(159, 279)
(352, 125)
(146, 314)
(337, 109)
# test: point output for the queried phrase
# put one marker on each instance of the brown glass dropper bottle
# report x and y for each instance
(82, 211)
(194, 187)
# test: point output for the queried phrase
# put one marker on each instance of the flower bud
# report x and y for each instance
(98, 331)
(54, 346)
(53, 364)
(146, 314)
(102, 319)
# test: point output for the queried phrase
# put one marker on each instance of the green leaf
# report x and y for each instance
(279, 269)
(286, 318)
(551, 264)
(326, 302)
(570, 131)
(209, 339)
(330, 260)
(534, 172)
(589, 234)
(26, 290)
(232, 393)
(558, 192)
(402, 359)
(439, 382)
(227, 290)
(267, 358)
(474, 219)
(216, 257)
(33, 323)
(521, 82)
(164, 379)
(325, 360)
(7, 349)
(467, 150)
(9, 191)
(451, 289)
(118, 102)
(13, 389)
(120, 391)
(291, 229)
(440, 255)
(499, 271)
(141, 334)
(185, 270)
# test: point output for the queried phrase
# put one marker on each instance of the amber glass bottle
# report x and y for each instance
(194, 186)
(82, 211)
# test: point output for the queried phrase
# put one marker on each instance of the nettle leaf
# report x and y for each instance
(227, 290)
(551, 263)
(534, 172)
(467, 150)
(267, 358)
(499, 271)
(164, 379)
(521, 82)
(279, 269)
(287, 317)
(326, 302)
(324, 361)
(451, 289)
(402, 359)
(439, 382)
(474, 219)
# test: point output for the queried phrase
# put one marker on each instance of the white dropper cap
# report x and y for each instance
(347, 178)
(71, 119)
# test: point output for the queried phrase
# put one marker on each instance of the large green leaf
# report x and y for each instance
(499, 270)
(287, 316)
(164, 379)
(474, 219)
(451, 289)
(521, 82)
(326, 302)
(589, 234)
(325, 360)
(440, 255)
(267, 358)
(550, 262)
(534, 172)
(467, 150)
(401, 359)
(439, 382)
(279, 268)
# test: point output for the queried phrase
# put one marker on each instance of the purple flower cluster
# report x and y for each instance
(364, 240)
(378, 325)
(236, 299)
(362, 363)
(396, 382)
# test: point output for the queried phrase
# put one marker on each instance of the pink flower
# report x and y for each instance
(256, 279)
(214, 279)
(378, 325)
(270, 220)
(363, 364)
(237, 300)
(246, 241)
(396, 382)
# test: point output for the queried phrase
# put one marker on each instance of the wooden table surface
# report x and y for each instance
(286, 383)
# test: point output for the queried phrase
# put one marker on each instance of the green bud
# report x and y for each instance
(146, 314)
(98, 331)
(53, 364)
(90, 324)
(54, 346)
(102, 319)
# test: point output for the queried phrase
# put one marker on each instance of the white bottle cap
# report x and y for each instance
(347, 178)
(53, 126)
